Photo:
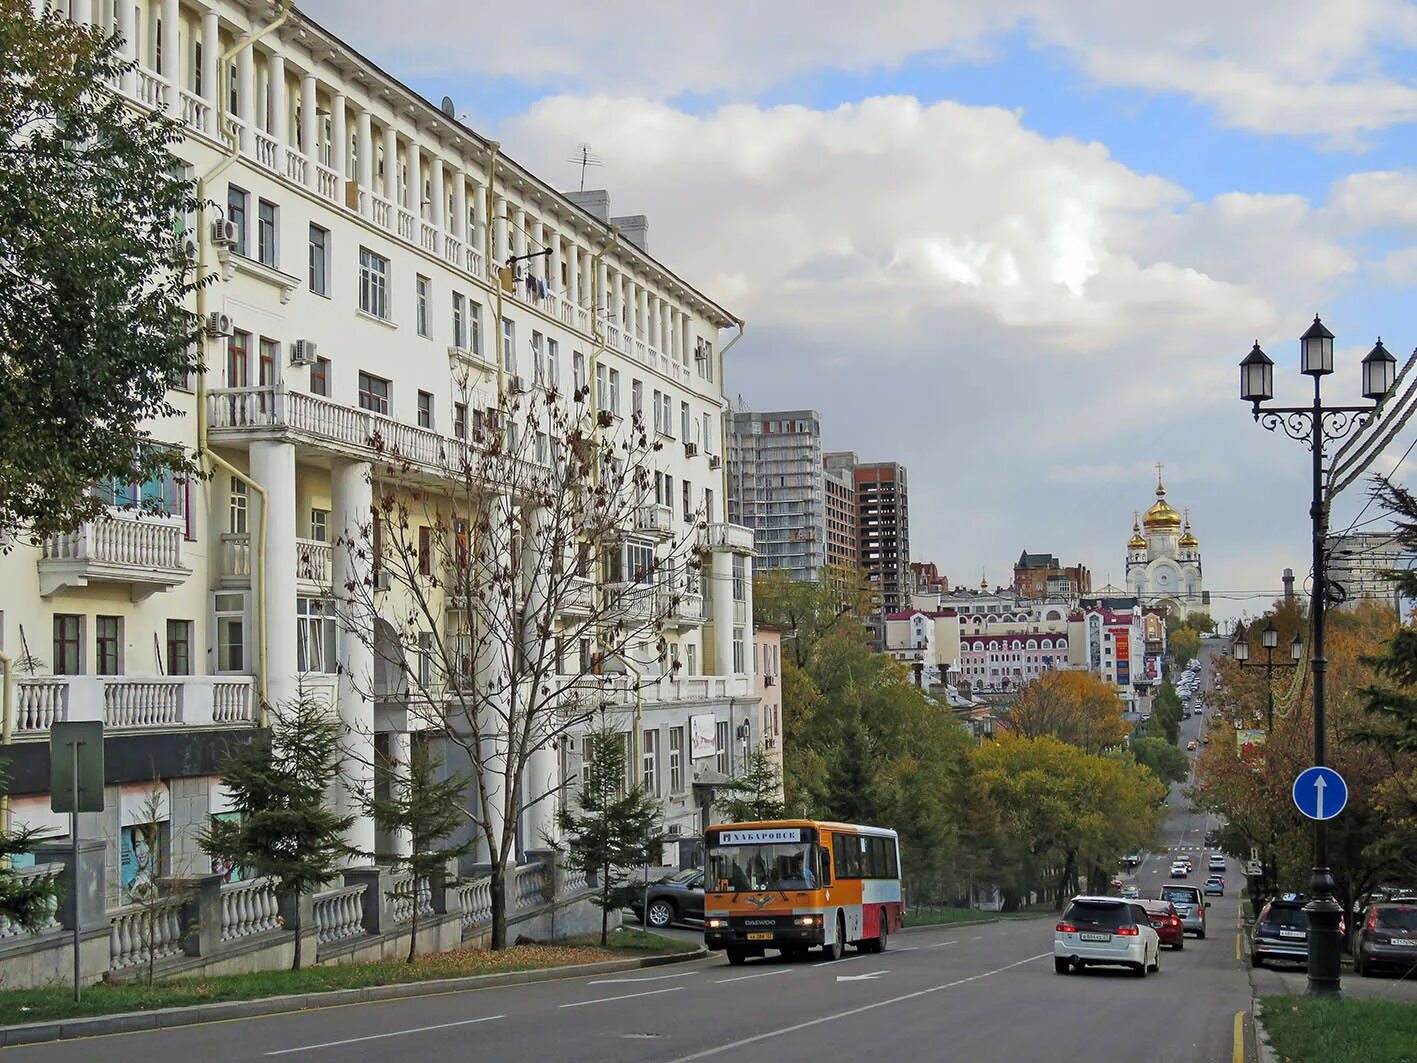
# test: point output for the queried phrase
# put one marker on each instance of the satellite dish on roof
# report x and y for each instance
(447, 107)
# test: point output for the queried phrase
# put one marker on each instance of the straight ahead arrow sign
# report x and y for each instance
(1319, 786)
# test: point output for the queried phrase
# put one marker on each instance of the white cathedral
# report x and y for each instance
(1164, 558)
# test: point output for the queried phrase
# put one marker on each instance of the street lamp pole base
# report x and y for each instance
(1325, 938)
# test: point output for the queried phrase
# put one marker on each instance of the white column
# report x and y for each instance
(339, 137)
(128, 43)
(81, 11)
(352, 497)
(685, 320)
(400, 751)
(652, 326)
(437, 209)
(538, 243)
(211, 52)
(413, 187)
(671, 333)
(171, 56)
(539, 785)
(478, 236)
(573, 271)
(721, 588)
(518, 232)
(391, 164)
(500, 246)
(309, 128)
(642, 312)
(553, 270)
(492, 675)
(276, 106)
(459, 225)
(617, 297)
(273, 467)
(246, 95)
(364, 150)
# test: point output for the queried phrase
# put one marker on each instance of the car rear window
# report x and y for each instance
(1296, 917)
(1096, 913)
(1178, 895)
(1397, 918)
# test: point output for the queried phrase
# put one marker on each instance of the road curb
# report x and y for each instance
(1264, 1052)
(191, 1015)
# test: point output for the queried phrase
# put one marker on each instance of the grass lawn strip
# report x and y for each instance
(1307, 1030)
(56, 1002)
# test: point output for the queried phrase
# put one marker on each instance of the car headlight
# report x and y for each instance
(716, 924)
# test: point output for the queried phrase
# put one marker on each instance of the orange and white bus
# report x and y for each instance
(795, 883)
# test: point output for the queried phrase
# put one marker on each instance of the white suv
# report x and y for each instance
(1106, 930)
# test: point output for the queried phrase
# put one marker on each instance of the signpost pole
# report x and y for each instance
(74, 842)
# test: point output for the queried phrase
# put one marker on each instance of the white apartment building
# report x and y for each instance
(360, 236)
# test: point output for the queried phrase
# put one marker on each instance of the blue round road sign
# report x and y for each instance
(1320, 793)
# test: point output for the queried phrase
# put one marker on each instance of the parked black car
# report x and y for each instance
(671, 900)
(1387, 938)
(1281, 932)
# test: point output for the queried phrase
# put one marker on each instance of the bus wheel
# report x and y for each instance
(879, 945)
(736, 957)
(835, 950)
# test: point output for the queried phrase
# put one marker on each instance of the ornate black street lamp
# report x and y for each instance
(1269, 639)
(1315, 426)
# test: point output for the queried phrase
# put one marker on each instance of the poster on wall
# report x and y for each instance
(1153, 669)
(1123, 643)
(703, 737)
(139, 853)
(1154, 626)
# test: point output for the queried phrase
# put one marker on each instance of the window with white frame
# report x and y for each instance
(266, 232)
(676, 759)
(474, 328)
(724, 760)
(373, 393)
(578, 371)
(649, 763)
(420, 288)
(553, 364)
(315, 634)
(237, 507)
(538, 358)
(230, 615)
(740, 578)
(459, 321)
(373, 283)
(319, 260)
(685, 425)
(320, 525)
(637, 398)
(738, 654)
(602, 386)
(509, 345)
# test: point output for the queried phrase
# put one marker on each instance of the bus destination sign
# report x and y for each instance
(762, 836)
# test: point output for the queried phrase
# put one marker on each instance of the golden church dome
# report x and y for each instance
(1161, 515)
(1187, 539)
(1136, 542)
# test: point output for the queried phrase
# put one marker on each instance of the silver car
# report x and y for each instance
(1190, 905)
(1106, 930)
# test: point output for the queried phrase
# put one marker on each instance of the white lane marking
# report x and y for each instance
(760, 974)
(942, 944)
(844, 959)
(977, 937)
(651, 978)
(911, 948)
(624, 996)
(868, 976)
(391, 1033)
(734, 1045)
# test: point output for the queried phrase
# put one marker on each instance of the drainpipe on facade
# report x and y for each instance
(7, 727)
(227, 132)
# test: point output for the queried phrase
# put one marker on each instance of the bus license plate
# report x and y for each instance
(760, 936)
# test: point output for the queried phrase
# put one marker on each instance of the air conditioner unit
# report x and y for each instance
(218, 324)
(302, 352)
(516, 385)
(383, 580)
(225, 232)
(187, 248)
(691, 450)
(715, 461)
(769, 680)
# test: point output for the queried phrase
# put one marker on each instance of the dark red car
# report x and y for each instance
(1166, 921)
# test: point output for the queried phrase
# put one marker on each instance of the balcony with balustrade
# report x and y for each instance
(314, 561)
(132, 703)
(732, 537)
(125, 547)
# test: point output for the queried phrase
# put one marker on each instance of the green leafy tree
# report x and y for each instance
(1166, 713)
(24, 902)
(756, 794)
(424, 805)
(808, 612)
(279, 786)
(93, 277)
(1162, 758)
(611, 831)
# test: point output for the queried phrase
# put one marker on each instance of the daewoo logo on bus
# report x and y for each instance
(760, 922)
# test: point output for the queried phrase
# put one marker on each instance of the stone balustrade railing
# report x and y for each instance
(474, 900)
(249, 908)
(122, 537)
(404, 896)
(131, 702)
(139, 932)
(339, 913)
(43, 875)
(529, 886)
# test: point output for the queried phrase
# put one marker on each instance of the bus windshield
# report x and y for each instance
(745, 868)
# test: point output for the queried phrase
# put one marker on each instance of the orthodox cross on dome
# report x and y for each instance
(1160, 488)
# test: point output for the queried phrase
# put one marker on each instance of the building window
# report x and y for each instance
(179, 647)
(320, 377)
(237, 507)
(420, 288)
(459, 320)
(688, 492)
(425, 409)
(266, 232)
(320, 525)
(319, 260)
(538, 359)
(460, 420)
(649, 763)
(724, 760)
(615, 392)
(676, 759)
(685, 423)
(553, 364)
(373, 283)
(238, 360)
(578, 371)
(315, 635)
(68, 644)
(691, 659)
(738, 655)
(236, 201)
(373, 393)
(474, 331)
(108, 645)
(740, 579)
(509, 345)
(425, 550)
(230, 632)
(637, 399)
(266, 358)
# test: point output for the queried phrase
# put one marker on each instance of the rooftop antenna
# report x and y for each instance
(448, 108)
(584, 158)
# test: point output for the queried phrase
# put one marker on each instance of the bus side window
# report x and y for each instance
(824, 862)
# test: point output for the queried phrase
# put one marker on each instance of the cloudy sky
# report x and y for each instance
(1019, 245)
